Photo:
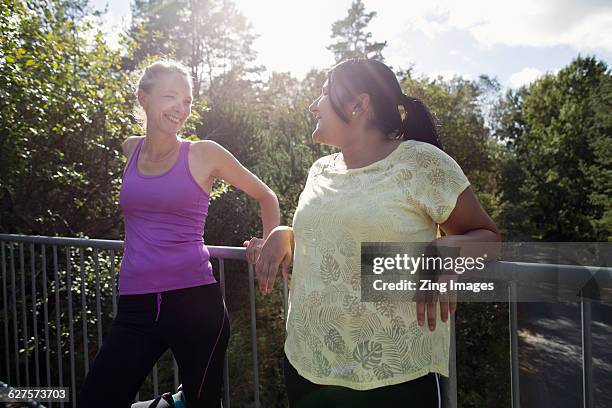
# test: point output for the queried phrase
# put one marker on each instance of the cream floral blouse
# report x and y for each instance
(333, 337)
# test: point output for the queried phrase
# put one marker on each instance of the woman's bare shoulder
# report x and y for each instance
(128, 145)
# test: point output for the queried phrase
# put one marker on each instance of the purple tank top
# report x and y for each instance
(164, 227)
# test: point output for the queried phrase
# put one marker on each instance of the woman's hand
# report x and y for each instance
(427, 300)
(277, 251)
(253, 249)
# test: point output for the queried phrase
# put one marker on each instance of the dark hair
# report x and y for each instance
(350, 78)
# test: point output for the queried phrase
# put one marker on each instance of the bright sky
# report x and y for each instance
(515, 41)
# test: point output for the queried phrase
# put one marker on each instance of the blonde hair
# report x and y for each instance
(151, 76)
(153, 72)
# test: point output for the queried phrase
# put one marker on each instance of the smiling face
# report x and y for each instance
(330, 129)
(168, 103)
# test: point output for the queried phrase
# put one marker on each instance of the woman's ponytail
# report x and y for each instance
(417, 123)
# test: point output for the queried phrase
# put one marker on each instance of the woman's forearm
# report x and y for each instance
(270, 213)
(475, 243)
(290, 231)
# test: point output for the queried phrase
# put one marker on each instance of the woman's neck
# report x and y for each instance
(158, 145)
(366, 149)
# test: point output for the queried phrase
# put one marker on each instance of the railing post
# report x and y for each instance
(70, 323)
(587, 361)
(58, 323)
(155, 381)
(226, 394)
(46, 312)
(113, 282)
(34, 312)
(24, 315)
(14, 299)
(514, 364)
(254, 336)
(84, 310)
(6, 312)
(450, 393)
(98, 296)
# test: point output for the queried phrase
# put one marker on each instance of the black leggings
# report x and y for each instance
(192, 322)
(422, 392)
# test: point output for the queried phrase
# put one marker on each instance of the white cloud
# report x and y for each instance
(524, 77)
(583, 25)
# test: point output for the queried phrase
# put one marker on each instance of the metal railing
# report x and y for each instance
(97, 255)
(71, 258)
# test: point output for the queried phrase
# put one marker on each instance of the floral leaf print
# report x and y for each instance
(353, 305)
(355, 281)
(363, 327)
(321, 365)
(406, 309)
(326, 247)
(368, 354)
(436, 177)
(349, 269)
(334, 342)
(425, 159)
(313, 299)
(350, 376)
(298, 325)
(398, 323)
(383, 372)
(333, 294)
(313, 342)
(403, 177)
(330, 270)
(420, 344)
(347, 245)
(396, 345)
(327, 317)
(385, 308)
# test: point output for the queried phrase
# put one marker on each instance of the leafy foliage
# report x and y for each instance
(556, 177)
(64, 110)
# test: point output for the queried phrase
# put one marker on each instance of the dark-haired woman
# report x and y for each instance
(390, 182)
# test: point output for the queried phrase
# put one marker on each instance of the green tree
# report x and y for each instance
(155, 29)
(64, 108)
(351, 38)
(285, 136)
(212, 37)
(557, 176)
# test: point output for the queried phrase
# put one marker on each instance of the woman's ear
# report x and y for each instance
(361, 105)
(143, 99)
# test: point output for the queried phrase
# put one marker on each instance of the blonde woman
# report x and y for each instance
(168, 297)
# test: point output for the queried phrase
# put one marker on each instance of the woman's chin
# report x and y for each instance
(317, 136)
(170, 129)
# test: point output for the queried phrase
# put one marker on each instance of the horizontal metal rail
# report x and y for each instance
(81, 255)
